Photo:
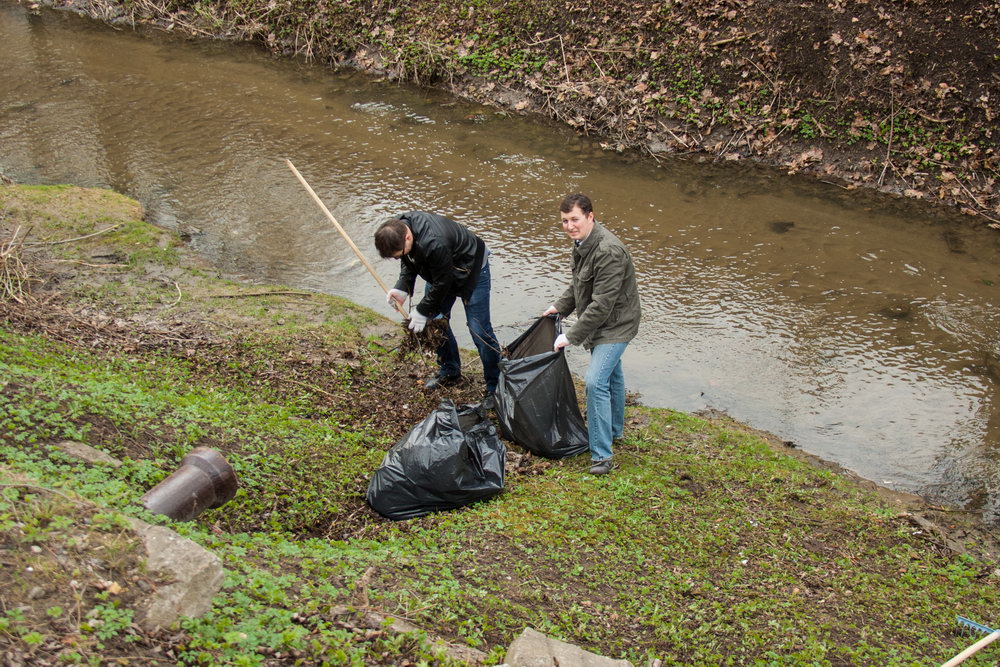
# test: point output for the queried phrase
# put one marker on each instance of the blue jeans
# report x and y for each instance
(605, 398)
(477, 316)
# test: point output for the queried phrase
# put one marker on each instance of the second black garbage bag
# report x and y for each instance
(452, 458)
(536, 400)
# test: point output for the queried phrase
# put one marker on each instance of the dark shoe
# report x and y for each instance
(489, 401)
(602, 467)
(442, 381)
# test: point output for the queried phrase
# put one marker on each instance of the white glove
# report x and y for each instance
(397, 295)
(561, 342)
(417, 321)
(551, 310)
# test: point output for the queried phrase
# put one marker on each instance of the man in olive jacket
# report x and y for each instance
(605, 295)
(454, 264)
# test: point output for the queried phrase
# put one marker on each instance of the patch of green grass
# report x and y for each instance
(129, 400)
(693, 522)
(500, 56)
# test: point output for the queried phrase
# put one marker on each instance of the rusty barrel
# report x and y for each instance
(205, 480)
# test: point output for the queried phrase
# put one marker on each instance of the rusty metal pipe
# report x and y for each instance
(205, 480)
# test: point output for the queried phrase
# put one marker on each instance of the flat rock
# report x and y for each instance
(187, 576)
(533, 649)
(87, 453)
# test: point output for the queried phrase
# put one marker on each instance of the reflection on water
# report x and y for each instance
(857, 326)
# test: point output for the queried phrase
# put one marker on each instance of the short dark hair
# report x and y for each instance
(583, 201)
(390, 237)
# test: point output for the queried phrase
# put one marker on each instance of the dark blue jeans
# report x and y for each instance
(477, 316)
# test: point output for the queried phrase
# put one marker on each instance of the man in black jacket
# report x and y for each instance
(454, 263)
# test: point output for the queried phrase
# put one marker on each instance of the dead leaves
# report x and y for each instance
(805, 158)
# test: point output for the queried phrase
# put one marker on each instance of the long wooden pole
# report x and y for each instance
(975, 648)
(364, 260)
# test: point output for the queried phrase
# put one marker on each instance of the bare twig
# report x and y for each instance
(925, 116)
(33, 487)
(671, 132)
(773, 84)
(14, 278)
(593, 60)
(975, 201)
(956, 510)
(310, 387)
(78, 238)
(892, 127)
(542, 41)
(178, 299)
(734, 38)
(733, 139)
(609, 50)
(248, 294)
(89, 265)
(562, 48)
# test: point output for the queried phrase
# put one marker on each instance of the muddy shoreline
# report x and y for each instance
(893, 98)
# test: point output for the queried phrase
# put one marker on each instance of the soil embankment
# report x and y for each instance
(900, 97)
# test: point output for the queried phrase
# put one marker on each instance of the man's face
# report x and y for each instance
(407, 246)
(576, 224)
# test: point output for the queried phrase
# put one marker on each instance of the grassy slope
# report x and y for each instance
(706, 547)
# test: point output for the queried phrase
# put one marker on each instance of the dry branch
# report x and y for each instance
(734, 38)
(78, 238)
(249, 294)
(14, 277)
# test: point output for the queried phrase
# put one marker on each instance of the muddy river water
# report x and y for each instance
(862, 328)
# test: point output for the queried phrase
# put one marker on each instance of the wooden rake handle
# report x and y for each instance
(364, 260)
(975, 648)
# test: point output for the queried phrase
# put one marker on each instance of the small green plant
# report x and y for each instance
(108, 620)
(33, 638)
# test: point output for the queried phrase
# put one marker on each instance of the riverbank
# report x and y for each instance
(900, 98)
(711, 542)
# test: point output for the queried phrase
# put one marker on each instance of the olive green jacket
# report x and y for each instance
(604, 292)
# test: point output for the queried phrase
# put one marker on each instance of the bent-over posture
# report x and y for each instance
(454, 263)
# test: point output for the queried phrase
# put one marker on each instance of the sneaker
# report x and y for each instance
(439, 381)
(602, 467)
(489, 401)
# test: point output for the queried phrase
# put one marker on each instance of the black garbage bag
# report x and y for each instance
(536, 399)
(450, 459)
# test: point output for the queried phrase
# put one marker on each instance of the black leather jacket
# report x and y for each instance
(445, 254)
